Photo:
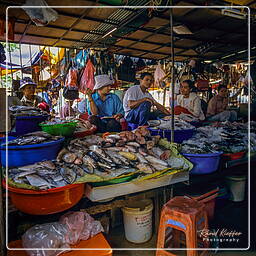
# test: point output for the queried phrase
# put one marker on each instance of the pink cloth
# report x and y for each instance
(87, 79)
(158, 75)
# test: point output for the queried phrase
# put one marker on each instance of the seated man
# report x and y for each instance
(28, 87)
(188, 102)
(217, 107)
(105, 108)
(138, 102)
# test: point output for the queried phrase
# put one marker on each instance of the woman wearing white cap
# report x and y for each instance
(105, 108)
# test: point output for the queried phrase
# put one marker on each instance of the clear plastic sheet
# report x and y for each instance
(71, 228)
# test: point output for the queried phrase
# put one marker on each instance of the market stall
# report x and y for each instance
(66, 164)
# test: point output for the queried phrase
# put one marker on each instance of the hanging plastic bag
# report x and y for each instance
(87, 78)
(40, 16)
(70, 90)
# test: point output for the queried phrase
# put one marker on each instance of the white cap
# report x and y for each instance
(101, 81)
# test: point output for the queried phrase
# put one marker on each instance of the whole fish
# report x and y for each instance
(145, 168)
(155, 160)
(133, 144)
(90, 162)
(68, 175)
(69, 157)
(141, 158)
(131, 148)
(37, 181)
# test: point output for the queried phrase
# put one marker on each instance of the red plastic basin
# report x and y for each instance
(234, 156)
(45, 202)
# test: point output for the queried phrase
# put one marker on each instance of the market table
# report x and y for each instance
(157, 188)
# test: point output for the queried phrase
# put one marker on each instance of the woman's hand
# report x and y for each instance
(118, 116)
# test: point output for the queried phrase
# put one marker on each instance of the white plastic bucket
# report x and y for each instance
(138, 221)
(236, 186)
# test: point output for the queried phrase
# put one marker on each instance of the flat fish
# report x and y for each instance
(37, 181)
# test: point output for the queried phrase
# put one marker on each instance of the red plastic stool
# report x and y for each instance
(97, 241)
(186, 215)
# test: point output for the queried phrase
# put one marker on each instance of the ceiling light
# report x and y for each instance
(235, 13)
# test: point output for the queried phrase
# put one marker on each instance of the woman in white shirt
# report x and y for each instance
(188, 102)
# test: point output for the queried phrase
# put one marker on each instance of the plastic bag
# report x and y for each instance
(49, 235)
(70, 91)
(40, 16)
(71, 228)
(81, 226)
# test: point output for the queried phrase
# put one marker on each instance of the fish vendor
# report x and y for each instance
(28, 87)
(217, 107)
(188, 102)
(138, 101)
(105, 108)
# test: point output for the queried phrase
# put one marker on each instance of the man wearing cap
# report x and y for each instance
(105, 108)
(27, 86)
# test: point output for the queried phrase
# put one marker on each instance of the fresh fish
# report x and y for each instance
(141, 158)
(145, 168)
(159, 167)
(90, 162)
(157, 151)
(37, 181)
(133, 144)
(104, 166)
(121, 171)
(69, 157)
(128, 155)
(87, 168)
(101, 153)
(150, 144)
(61, 154)
(23, 174)
(79, 171)
(131, 148)
(47, 164)
(114, 136)
(68, 175)
(155, 160)
(114, 156)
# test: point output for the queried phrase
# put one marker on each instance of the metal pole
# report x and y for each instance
(172, 85)
(30, 57)
(10, 58)
(21, 62)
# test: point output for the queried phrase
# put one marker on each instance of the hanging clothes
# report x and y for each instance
(159, 75)
(87, 78)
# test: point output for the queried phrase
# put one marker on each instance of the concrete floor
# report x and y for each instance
(225, 217)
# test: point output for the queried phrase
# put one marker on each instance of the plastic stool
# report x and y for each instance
(97, 241)
(209, 200)
(186, 215)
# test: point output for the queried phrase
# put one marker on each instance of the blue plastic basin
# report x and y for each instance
(27, 124)
(179, 135)
(3, 140)
(30, 154)
(204, 163)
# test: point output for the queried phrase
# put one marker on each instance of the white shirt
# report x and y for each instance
(134, 93)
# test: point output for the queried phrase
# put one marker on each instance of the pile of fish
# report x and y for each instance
(54, 121)
(46, 174)
(226, 137)
(120, 153)
(26, 111)
(179, 124)
(33, 138)
(84, 125)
